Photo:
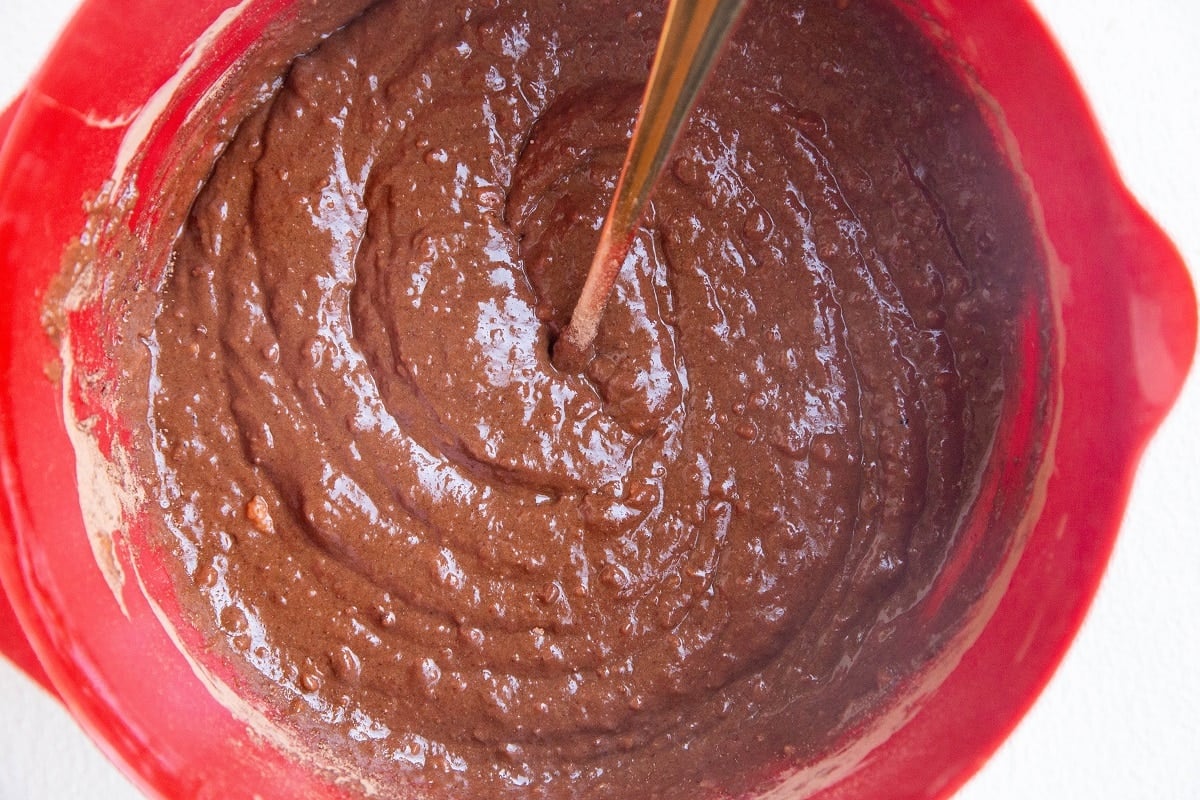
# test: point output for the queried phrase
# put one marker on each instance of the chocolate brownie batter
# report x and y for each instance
(703, 558)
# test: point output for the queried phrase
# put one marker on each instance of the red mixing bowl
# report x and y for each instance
(1127, 333)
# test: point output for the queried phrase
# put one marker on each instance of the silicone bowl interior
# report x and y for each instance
(1127, 334)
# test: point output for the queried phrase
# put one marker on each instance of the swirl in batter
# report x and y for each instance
(659, 576)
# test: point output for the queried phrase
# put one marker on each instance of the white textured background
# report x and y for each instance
(1121, 719)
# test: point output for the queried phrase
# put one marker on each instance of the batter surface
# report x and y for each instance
(664, 577)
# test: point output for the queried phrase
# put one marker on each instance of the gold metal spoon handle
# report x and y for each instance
(692, 37)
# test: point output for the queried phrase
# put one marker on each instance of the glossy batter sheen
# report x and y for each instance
(454, 564)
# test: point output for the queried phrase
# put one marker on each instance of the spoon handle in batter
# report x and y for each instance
(691, 40)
